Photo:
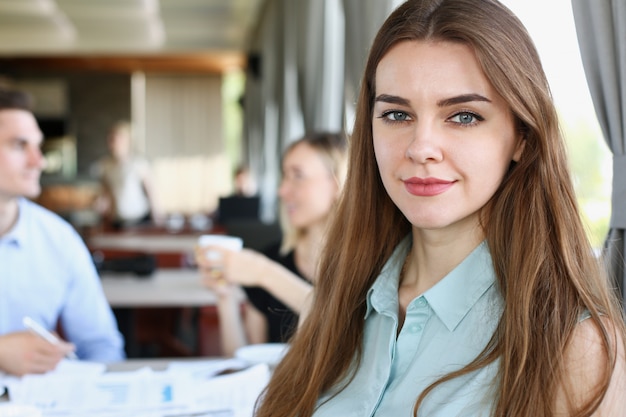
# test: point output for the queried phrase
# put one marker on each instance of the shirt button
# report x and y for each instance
(421, 302)
(416, 328)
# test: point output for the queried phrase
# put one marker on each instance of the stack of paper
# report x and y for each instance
(184, 389)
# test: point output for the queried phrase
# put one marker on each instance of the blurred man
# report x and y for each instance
(46, 272)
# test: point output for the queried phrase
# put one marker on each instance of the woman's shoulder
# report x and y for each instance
(588, 356)
(590, 339)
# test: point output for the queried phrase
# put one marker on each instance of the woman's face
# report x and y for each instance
(443, 137)
(308, 189)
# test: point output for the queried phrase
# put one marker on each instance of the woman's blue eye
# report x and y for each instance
(396, 116)
(466, 118)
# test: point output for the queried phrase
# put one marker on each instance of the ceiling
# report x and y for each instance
(53, 28)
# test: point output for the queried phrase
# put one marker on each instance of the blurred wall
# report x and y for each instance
(181, 116)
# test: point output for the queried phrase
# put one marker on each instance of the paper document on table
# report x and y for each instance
(67, 366)
(84, 369)
(142, 393)
(237, 392)
(69, 394)
(208, 368)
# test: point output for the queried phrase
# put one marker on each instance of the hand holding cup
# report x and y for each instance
(211, 254)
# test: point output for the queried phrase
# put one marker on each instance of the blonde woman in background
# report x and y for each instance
(278, 281)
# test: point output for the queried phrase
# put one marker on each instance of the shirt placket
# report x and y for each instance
(408, 341)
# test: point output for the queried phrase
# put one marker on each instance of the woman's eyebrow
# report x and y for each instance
(387, 98)
(463, 98)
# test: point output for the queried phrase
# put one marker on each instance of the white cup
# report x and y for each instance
(175, 222)
(233, 243)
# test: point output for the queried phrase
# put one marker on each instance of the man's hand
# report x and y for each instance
(25, 353)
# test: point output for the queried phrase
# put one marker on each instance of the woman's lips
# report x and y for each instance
(427, 187)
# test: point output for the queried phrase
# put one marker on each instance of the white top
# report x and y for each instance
(125, 180)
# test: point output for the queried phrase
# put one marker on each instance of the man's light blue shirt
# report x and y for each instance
(444, 329)
(47, 273)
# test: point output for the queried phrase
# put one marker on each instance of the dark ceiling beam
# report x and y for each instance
(214, 62)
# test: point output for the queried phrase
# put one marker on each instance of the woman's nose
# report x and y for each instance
(425, 145)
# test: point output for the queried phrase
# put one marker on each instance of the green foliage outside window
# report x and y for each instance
(591, 165)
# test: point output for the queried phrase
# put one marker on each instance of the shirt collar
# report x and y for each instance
(383, 295)
(450, 299)
(454, 296)
(17, 234)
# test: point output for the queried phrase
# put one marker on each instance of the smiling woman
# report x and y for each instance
(442, 131)
(458, 232)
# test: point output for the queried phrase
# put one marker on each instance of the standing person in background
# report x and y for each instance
(244, 182)
(458, 279)
(46, 272)
(243, 203)
(278, 281)
(128, 197)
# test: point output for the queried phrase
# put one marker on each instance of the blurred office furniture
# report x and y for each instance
(154, 310)
(236, 208)
(156, 304)
(167, 287)
(72, 200)
(142, 265)
(256, 234)
(170, 250)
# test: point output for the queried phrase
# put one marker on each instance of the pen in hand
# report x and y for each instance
(40, 331)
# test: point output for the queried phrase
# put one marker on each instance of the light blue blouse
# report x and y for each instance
(445, 329)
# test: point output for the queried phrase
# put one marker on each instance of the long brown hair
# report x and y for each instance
(545, 267)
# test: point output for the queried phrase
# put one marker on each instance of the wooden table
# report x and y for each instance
(150, 310)
(171, 287)
(148, 243)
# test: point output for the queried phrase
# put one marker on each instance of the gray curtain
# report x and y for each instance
(321, 64)
(363, 19)
(272, 110)
(601, 28)
(302, 55)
